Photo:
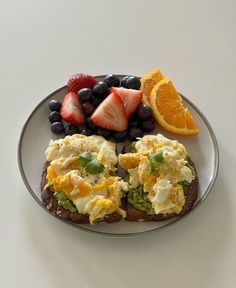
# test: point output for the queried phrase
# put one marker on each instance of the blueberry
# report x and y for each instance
(143, 112)
(135, 132)
(85, 95)
(54, 116)
(54, 105)
(123, 81)
(88, 108)
(90, 124)
(133, 121)
(120, 136)
(86, 132)
(71, 129)
(96, 101)
(148, 125)
(112, 80)
(104, 133)
(133, 83)
(57, 127)
(100, 90)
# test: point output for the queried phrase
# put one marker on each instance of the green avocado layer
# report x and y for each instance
(64, 201)
(138, 198)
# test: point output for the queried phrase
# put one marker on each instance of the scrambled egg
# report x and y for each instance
(163, 184)
(94, 194)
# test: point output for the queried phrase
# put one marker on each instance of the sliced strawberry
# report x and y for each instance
(130, 97)
(79, 81)
(110, 114)
(71, 109)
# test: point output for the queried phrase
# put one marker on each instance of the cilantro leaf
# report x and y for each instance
(90, 163)
(94, 167)
(85, 158)
(154, 159)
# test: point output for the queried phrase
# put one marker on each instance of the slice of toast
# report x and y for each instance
(52, 205)
(190, 193)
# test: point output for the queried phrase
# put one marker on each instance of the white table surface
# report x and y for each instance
(41, 44)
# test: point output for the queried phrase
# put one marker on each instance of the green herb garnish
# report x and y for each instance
(94, 167)
(88, 161)
(154, 159)
(85, 158)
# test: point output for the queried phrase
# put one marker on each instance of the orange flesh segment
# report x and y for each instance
(169, 110)
(148, 81)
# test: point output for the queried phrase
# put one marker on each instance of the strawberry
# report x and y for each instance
(110, 114)
(130, 97)
(71, 109)
(79, 81)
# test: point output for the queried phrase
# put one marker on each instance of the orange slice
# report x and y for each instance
(169, 110)
(148, 81)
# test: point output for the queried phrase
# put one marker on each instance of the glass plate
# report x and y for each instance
(35, 136)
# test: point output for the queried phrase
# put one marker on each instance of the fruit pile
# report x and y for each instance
(110, 108)
(118, 109)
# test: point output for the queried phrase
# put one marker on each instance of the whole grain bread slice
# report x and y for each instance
(52, 205)
(190, 194)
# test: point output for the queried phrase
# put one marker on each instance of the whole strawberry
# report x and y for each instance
(79, 81)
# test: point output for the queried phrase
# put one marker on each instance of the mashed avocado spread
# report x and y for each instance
(64, 201)
(138, 198)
